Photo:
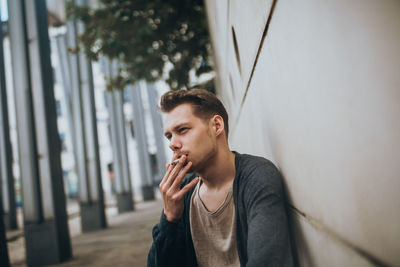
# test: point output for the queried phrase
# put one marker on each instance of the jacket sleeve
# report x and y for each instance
(268, 242)
(168, 244)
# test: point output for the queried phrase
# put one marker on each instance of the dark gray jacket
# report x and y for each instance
(262, 234)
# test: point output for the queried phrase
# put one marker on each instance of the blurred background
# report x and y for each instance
(314, 87)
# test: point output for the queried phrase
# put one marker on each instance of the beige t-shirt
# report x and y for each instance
(214, 233)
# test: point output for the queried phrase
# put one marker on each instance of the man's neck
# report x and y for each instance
(221, 170)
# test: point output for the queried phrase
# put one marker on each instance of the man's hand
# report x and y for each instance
(172, 195)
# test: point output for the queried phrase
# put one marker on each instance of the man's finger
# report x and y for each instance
(172, 176)
(175, 171)
(187, 187)
(166, 175)
(181, 175)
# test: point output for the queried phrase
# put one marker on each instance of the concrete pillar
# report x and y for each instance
(122, 176)
(94, 186)
(45, 217)
(4, 260)
(86, 138)
(141, 141)
(158, 128)
(7, 178)
(62, 54)
(78, 128)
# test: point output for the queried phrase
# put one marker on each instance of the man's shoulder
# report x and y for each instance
(247, 162)
(258, 172)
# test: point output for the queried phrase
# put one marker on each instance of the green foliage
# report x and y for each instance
(145, 35)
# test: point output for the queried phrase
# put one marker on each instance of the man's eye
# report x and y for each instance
(182, 130)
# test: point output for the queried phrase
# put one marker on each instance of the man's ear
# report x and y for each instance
(218, 124)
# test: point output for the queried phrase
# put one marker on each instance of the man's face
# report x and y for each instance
(190, 135)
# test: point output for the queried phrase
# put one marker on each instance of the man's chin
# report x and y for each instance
(195, 168)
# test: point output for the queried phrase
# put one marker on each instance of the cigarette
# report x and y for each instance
(175, 162)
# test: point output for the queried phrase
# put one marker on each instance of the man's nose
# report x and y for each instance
(174, 144)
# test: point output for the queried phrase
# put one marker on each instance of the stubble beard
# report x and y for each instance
(207, 159)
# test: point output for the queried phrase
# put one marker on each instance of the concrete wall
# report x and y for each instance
(315, 87)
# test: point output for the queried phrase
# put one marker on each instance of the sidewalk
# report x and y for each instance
(125, 242)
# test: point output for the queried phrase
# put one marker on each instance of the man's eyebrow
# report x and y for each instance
(176, 128)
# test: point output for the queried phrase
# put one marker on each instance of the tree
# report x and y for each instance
(146, 37)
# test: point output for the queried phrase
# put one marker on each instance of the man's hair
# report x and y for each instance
(204, 104)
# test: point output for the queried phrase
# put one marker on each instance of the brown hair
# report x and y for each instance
(204, 104)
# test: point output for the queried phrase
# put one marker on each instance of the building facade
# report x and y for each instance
(314, 87)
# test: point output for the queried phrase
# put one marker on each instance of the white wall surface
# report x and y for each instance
(323, 104)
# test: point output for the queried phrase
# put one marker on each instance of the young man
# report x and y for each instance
(231, 211)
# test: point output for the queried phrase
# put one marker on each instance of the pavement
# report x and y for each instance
(125, 242)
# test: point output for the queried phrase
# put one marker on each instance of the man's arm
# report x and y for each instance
(268, 242)
(168, 235)
(168, 244)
